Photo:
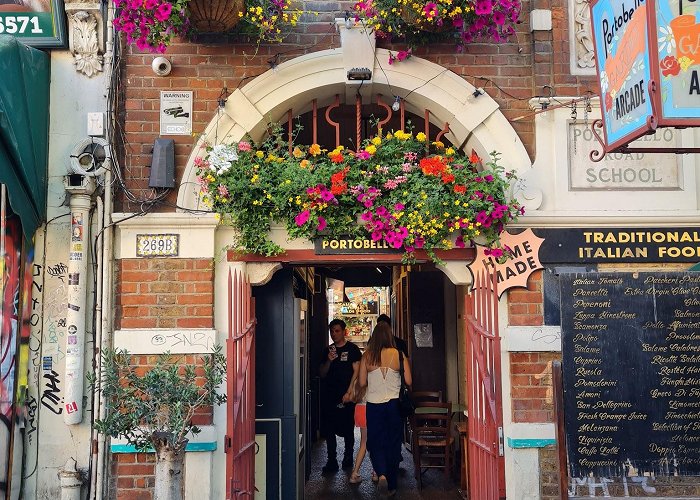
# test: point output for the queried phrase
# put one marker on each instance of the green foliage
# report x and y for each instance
(397, 189)
(156, 408)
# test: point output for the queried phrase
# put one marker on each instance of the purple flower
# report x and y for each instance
(163, 11)
(399, 206)
(376, 235)
(142, 43)
(363, 155)
(326, 195)
(488, 178)
(133, 4)
(366, 216)
(151, 4)
(482, 217)
(301, 218)
(459, 242)
(499, 18)
(128, 27)
(382, 212)
(483, 7)
(321, 224)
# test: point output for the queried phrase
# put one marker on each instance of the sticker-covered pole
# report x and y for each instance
(80, 189)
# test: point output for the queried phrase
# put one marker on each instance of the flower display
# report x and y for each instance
(463, 21)
(397, 189)
(153, 24)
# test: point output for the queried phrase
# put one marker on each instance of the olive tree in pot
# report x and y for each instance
(153, 409)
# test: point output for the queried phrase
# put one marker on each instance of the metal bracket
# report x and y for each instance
(501, 450)
(598, 155)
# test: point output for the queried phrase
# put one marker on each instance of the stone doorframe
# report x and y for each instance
(475, 121)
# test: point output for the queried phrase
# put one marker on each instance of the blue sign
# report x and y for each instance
(622, 57)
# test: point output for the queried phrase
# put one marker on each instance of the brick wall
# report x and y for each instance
(135, 476)
(549, 473)
(531, 386)
(165, 293)
(526, 306)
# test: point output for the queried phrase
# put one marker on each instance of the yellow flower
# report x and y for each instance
(377, 141)
(315, 150)
(304, 163)
(389, 136)
(438, 144)
(371, 149)
(259, 154)
(254, 179)
(420, 137)
(449, 152)
(297, 153)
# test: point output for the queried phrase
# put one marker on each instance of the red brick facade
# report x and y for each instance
(165, 293)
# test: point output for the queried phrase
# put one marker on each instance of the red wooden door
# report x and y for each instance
(239, 445)
(485, 450)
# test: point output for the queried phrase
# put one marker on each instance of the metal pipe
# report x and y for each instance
(71, 481)
(80, 188)
(105, 324)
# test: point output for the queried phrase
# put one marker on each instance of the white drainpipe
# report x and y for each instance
(71, 481)
(80, 189)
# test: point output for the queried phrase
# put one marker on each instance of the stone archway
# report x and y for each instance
(475, 121)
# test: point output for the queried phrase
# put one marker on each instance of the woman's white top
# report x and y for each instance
(383, 384)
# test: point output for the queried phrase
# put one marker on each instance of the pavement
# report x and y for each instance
(337, 486)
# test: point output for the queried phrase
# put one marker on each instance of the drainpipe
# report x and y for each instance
(80, 189)
(71, 481)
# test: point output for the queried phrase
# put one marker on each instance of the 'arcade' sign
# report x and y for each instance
(647, 55)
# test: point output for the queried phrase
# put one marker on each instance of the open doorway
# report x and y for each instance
(293, 311)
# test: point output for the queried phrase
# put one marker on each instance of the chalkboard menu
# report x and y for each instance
(631, 372)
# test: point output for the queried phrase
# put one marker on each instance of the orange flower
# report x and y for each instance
(474, 158)
(460, 188)
(433, 166)
(447, 178)
(315, 150)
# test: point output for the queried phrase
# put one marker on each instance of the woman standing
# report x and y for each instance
(379, 372)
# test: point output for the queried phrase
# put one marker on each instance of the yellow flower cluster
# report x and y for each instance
(404, 136)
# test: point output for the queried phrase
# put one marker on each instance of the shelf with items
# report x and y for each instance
(359, 327)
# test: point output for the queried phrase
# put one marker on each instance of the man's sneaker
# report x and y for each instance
(330, 467)
(347, 463)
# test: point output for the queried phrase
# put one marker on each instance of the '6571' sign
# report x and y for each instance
(39, 23)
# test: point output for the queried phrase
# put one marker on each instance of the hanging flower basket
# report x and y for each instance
(398, 189)
(418, 22)
(215, 16)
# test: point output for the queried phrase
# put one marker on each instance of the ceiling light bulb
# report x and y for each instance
(397, 104)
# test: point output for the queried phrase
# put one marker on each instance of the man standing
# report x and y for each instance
(339, 368)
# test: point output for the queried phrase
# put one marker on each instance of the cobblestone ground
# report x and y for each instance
(331, 487)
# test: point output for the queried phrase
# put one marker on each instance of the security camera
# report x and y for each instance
(161, 66)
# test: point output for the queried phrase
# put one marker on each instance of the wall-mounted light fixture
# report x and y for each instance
(359, 74)
(397, 104)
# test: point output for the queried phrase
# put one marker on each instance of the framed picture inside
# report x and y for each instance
(38, 23)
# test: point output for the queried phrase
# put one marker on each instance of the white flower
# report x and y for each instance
(604, 81)
(220, 158)
(666, 40)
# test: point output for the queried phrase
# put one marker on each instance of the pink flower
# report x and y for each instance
(128, 27)
(321, 224)
(363, 155)
(223, 190)
(430, 10)
(366, 216)
(163, 11)
(244, 146)
(459, 242)
(399, 206)
(150, 4)
(376, 235)
(402, 55)
(142, 43)
(483, 7)
(301, 218)
(499, 18)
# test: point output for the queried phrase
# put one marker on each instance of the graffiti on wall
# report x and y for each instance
(14, 343)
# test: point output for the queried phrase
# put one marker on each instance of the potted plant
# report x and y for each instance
(152, 25)
(397, 189)
(153, 409)
(422, 21)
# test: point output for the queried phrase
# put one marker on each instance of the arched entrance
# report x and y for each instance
(476, 123)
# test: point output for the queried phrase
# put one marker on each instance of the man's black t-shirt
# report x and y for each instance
(337, 380)
(401, 345)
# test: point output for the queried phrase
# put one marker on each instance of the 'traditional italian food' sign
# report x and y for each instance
(622, 58)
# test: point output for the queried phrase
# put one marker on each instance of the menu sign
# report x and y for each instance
(631, 366)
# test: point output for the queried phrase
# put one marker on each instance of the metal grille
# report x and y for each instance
(486, 463)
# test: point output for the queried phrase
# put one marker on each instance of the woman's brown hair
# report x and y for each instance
(382, 338)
